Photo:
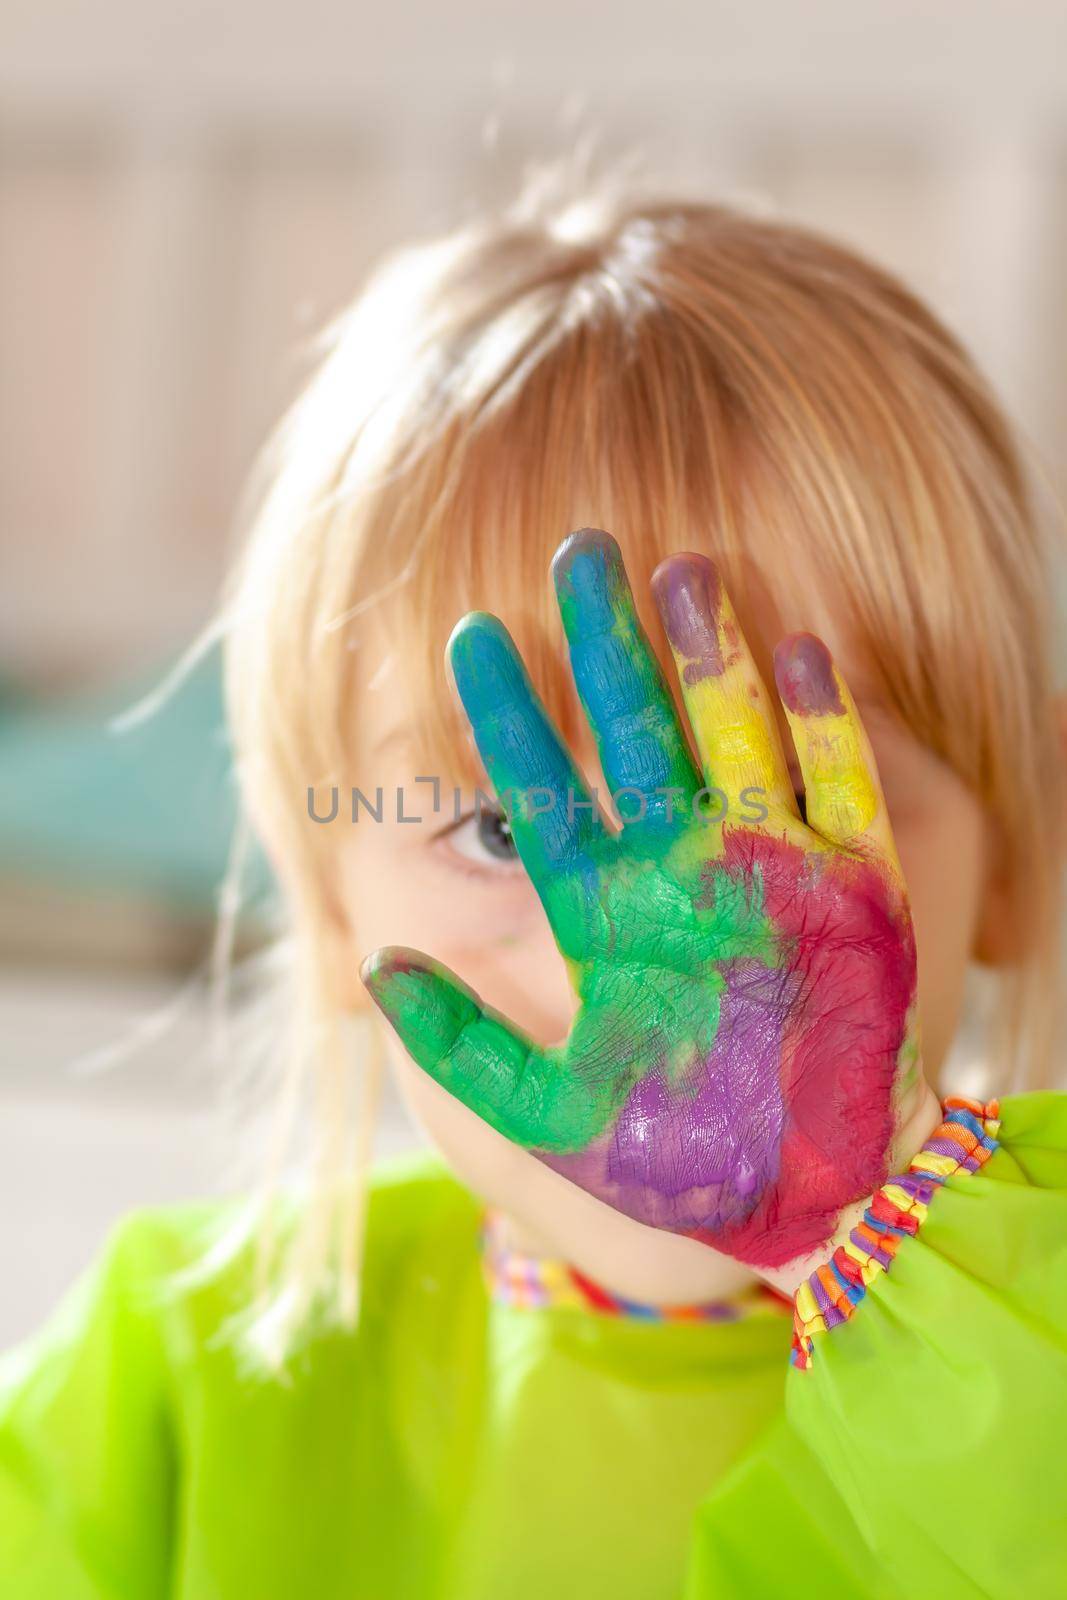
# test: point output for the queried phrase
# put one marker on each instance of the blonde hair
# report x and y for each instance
(686, 375)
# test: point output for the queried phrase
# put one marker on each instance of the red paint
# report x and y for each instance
(846, 926)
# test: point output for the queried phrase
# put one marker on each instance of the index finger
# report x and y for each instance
(556, 819)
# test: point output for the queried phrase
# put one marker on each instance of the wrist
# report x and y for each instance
(919, 1123)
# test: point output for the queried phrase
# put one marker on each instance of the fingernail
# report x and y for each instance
(804, 673)
(380, 967)
(591, 583)
(483, 661)
(688, 593)
(585, 542)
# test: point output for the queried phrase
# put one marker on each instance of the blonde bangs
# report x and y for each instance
(757, 393)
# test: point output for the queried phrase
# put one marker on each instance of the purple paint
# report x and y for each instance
(698, 1156)
(804, 673)
(688, 593)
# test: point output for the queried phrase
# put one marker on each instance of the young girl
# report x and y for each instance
(715, 1297)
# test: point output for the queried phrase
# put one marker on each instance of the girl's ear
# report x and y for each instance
(1000, 934)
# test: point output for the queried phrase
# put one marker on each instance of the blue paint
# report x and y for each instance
(619, 680)
(521, 749)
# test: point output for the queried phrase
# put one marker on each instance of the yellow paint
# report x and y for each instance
(732, 718)
(733, 728)
(842, 802)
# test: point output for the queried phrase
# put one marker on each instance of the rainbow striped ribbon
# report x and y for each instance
(515, 1278)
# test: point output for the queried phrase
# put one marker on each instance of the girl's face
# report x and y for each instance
(455, 890)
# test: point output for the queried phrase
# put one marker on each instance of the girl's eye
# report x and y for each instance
(483, 837)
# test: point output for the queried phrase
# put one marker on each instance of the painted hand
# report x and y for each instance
(746, 1034)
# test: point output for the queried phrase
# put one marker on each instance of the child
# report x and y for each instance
(637, 1334)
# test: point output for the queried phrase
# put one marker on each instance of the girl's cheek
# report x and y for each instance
(487, 925)
(509, 957)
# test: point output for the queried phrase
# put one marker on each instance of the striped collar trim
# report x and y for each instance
(531, 1282)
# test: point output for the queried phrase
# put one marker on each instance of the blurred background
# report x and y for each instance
(187, 192)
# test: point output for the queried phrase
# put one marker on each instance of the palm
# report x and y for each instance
(745, 989)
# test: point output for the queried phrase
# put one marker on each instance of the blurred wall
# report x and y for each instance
(188, 190)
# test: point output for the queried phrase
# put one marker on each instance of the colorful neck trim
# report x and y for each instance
(963, 1142)
(531, 1282)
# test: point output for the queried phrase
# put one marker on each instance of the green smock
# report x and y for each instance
(460, 1448)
